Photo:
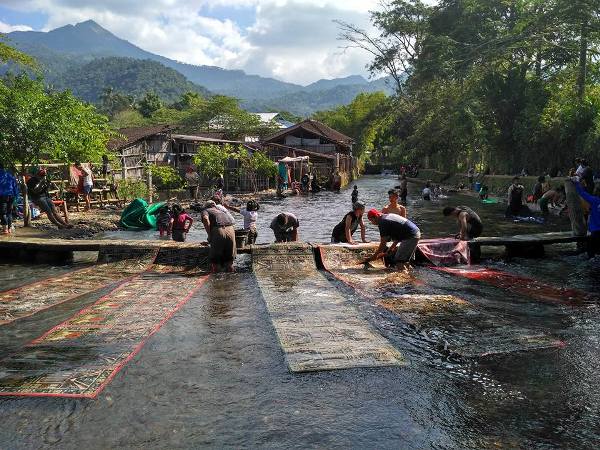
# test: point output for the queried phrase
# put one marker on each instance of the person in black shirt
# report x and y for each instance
(344, 230)
(468, 220)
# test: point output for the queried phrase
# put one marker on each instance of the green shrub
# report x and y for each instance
(131, 189)
(165, 178)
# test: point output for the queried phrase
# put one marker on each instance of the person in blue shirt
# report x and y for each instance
(403, 234)
(593, 221)
(9, 191)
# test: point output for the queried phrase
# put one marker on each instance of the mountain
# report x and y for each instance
(128, 76)
(306, 102)
(323, 85)
(88, 40)
(67, 52)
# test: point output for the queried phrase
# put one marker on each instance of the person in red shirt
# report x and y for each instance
(182, 223)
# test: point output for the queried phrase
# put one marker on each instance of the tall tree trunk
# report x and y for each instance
(583, 46)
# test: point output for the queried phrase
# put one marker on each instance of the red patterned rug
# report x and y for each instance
(527, 287)
(79, 357)
(32, 298)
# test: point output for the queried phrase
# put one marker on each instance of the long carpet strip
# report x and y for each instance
(456, 325)
(316, 327)
(79, 357)
(32, 298)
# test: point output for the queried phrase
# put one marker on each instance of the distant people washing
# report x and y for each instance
(393, 207)
(9, 192)
(221, 237)
(164, 221)
(484, 192)
(403, 189)
(343, 231)
(470, 225)
(285, 227)
(250, 215)
(516, 207)
(403, 234)
(427, 192)
(182, 223)
(553, 197)
(354, 196)
(192, 179)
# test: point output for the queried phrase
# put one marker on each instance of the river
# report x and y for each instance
(214, 375)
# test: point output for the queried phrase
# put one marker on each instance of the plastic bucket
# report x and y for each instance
(477, 186)
(241, 238)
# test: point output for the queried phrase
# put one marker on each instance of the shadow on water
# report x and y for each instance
(215, 374)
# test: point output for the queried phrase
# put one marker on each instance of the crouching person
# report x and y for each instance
(403, 234)
(221, 237)
(285, 227)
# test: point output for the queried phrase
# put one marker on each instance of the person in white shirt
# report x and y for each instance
(87, 183)
(250, 215)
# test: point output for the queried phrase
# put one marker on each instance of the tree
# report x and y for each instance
(9, 54)
(211, 159)
(149, 104)
(36, 125)
(113, 102)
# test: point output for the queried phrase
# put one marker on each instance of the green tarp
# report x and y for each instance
(140, 216)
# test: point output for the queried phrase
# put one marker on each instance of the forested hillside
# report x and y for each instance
(125, 75)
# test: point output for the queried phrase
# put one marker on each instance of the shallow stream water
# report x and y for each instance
(215, 376)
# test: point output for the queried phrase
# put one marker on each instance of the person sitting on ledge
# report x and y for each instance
(37, 187)
(285, 227)
(250, 215)
(402, 232)
(343, 231)
(469, 222)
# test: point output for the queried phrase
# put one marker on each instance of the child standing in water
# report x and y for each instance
(354, 194)
(250, 215)
(164, 221)
(427, 192)
(182, 223)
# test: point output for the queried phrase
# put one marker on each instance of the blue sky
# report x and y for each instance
(291, 40)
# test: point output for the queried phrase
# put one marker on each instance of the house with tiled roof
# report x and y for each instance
(313, 136)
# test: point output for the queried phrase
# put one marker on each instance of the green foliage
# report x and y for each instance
(149, 104)
(9, 54)
(131, 189)
(126, 76)
(211, 159)
(166, 177)
(503, 85)
(113, 102)
(37, 125)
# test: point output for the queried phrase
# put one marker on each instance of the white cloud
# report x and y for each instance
(292, 40)
(6, 28)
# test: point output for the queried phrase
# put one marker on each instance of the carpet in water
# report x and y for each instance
(523, 286)
(31, 298)
(316, 327)
(451, 323)
(79, 357)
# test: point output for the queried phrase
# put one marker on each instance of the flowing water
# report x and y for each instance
(214, 375)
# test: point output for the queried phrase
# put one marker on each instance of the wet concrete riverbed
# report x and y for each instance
(215, 376)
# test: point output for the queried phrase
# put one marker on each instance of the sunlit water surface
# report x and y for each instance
(215, 376)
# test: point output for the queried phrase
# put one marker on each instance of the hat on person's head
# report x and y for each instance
(373, 213)
(357, 205)
(209, 204)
